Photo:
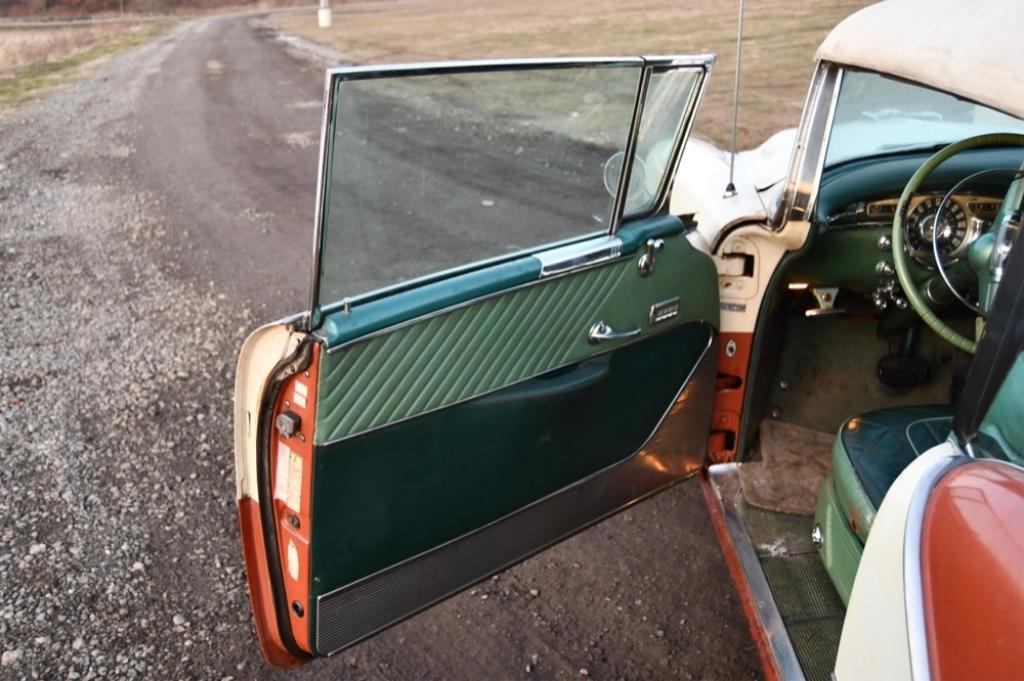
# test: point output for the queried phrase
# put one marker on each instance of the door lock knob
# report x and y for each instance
(646, 263)
(288, 423)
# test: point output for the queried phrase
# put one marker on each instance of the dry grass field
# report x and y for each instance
(35, 57)
(780, 39)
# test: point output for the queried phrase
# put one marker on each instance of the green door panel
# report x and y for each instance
(402, 306)
(388, 495)
(470, 350)
(389, 307)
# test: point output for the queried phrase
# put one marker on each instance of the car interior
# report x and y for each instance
(852, 385)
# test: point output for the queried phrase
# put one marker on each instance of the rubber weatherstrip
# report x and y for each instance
(287, 367)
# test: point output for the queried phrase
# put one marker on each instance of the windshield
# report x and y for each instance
(879, 115)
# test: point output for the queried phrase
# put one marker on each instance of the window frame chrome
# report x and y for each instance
(808, 158)
(646, 66)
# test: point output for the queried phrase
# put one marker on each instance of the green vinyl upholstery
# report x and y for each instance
(869, 453)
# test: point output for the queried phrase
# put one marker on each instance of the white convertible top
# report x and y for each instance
(971, 48)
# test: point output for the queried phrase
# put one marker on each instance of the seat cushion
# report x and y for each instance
(873, 448)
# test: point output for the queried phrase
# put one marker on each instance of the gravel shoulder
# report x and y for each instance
(150, 215)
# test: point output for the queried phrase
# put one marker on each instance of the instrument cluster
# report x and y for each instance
(963, 218)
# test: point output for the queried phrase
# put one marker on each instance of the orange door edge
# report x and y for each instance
(260, 591)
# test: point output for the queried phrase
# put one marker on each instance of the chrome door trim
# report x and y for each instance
(659, 463)
(725, 481)
(472, 65)
(313, 316)
(629, 151)
(577, 255)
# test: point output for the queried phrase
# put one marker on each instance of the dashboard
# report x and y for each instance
(851, 247)
(963, 218)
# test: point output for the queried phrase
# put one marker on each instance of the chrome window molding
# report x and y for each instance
(313, 318)
(808, 158)
(646, 65)
(416, 282)
(579, 254)
(619, 201)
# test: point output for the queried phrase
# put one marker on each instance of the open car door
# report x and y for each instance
(394, 447)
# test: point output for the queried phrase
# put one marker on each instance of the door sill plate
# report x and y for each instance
(724, 482)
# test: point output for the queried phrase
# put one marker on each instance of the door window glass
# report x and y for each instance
(430, 171)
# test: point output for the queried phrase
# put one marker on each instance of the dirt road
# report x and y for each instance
(150, 215)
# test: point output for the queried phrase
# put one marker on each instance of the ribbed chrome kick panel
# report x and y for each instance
(673, 451)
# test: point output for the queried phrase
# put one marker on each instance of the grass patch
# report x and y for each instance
(48, 59)
(780, 39)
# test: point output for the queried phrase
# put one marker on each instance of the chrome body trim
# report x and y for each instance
(628, 341)
(673, 451)
(410, 284)
(808, 159)
(913, 588)
(471, 65)
(579, 254)
(313, 320)
(725, 481)
(629, 151)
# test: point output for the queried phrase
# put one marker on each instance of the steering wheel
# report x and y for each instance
(983, 252)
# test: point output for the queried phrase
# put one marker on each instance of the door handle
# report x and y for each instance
(602, 332)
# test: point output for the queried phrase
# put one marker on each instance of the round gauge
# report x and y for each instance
(952, 228)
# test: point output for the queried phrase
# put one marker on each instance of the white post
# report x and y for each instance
(323, 15)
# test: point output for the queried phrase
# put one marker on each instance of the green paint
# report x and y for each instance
(840, 549)
(849, 493)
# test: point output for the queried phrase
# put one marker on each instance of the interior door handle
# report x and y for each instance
(602, 332)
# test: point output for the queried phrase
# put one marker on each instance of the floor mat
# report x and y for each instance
(808, 603)
(794, 462)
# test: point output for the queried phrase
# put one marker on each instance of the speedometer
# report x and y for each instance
(952, 227)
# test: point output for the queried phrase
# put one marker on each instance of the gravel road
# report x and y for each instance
(150, 215)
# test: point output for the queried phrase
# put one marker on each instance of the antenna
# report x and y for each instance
(730, 189)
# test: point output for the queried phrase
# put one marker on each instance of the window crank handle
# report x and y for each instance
(602, 332)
